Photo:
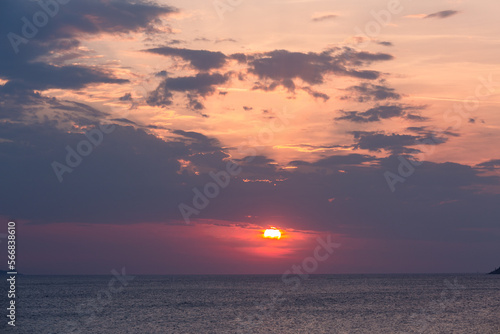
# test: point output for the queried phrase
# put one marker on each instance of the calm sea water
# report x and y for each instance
(258, 304)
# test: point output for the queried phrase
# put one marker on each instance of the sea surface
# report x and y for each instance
(257, 304)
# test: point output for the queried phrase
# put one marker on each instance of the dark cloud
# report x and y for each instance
(316, 94)
(379, 113)
(199, 142)
(424, 130)
(274, 69)
(124, 121)
(365, 92)
(111, 193)
(491, 164)
(258, 168)
(75, 107)
(202, 60)
(195, 104)
(126, 97)
(282, 67)
(442, 14)
(247, 108)
(202, 84)
(77, 18)
(311, 147)
(18, 104)
(337, 161)
(70, 22)
(413, 117)
(385, 43)
(240, 57)
(16, 101)
(161, 74)
(41, 76)
(360, 58)
(395, 143)
(175, 42)
(286, 83)
(259, 160)
(222, 40)
(201, 39)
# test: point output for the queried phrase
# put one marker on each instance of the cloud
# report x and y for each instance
(337, 161)
(202, 60)
(378, 113)
(384, 43)
(202, 84)
(131, 176)
(75, 20)
(241, 57)
(175, 42)
(278, 68)
(18, 104)
(80, 18)
(41, 76)
(198, 142)
(324, 17)
(222, 40)
(442, 14)
(365, 92)
(311, 147)
(282, 67)
(394, 143)
(126, 97)
(124, 121)
(316, 94)
(161, 74)
(491, 164)
(424, 130)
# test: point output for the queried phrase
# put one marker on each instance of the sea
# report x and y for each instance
(119, 304)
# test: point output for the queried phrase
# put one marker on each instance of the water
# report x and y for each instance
(259, 304)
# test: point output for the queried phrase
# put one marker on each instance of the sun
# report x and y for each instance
(272, 233)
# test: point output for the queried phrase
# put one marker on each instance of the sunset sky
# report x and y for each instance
(373, 122)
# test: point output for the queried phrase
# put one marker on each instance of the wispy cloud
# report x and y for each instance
(221, 40)
(442, 14)
(324, 17)
(438, 15)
